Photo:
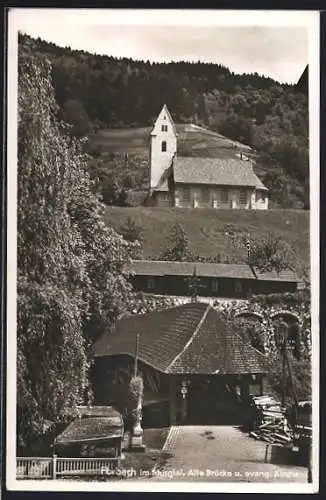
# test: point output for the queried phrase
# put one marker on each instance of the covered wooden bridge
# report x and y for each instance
(196, 369)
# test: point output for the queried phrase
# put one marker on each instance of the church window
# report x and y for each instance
(164, 128)
(186, 194)
(205, 195)
(243, 196)
(163, 146)
(238, 288)
(224, 196)
(150, 283)
(214, 285)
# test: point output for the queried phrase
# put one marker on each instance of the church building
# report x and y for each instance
(191, 182)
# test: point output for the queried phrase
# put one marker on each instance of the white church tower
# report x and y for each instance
(163, 146)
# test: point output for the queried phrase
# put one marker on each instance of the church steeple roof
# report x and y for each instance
(165, 111)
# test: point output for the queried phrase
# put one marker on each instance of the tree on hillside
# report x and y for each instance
(271, 253)
(238, 128)
(114, 175)
(267, 252)
(178, 248)
(75, 114)
(70, 264)
(113, 193)
(133, 233)
(279, 185)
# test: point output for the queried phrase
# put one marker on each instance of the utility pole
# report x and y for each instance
(137, 431)
(136, 355)
(310, 463)
(285, 361)
(249, 259)
(287, 366)
(284, 353)
(193, 285)
(248, 246)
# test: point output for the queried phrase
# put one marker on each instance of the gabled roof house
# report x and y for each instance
(191, 360)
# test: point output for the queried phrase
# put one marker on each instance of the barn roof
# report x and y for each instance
(206, 270)
(203, 269)
(285, 275)
(215, 171)
(191, 338)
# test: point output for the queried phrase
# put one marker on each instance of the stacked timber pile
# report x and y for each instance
(270, 422)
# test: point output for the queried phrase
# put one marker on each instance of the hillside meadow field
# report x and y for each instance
(214, 232)
(192, 139)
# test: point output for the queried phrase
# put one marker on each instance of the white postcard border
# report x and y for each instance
(308, 19)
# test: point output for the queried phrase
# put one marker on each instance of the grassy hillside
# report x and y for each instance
(125, 140)
(192, 139)
(211, 232)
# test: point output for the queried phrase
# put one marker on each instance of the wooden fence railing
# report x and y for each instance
(55, 467)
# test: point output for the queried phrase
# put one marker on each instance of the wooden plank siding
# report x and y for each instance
(210, 287)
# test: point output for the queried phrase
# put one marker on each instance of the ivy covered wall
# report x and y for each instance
(261, 321)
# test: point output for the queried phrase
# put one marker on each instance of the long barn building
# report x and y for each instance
(234, 281)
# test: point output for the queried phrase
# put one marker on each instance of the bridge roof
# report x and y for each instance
(190, 338)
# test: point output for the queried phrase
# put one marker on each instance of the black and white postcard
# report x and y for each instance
(163, 243)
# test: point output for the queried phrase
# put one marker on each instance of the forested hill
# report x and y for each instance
(124, 92)
(97, 92)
